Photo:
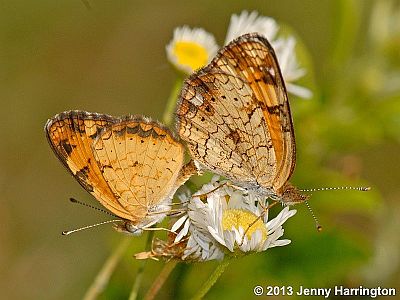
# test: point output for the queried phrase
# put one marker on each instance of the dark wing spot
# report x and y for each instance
(87, 186)
(275, 110)
(82, 176)
(67, 146)
(234, 136)
(133, 130)
(97, 133)
(83, 173)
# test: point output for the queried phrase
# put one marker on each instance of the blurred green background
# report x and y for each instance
(60, 55)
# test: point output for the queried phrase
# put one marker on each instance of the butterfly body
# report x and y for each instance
(235, 117)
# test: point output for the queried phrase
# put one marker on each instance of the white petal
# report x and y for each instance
(280, 218)
(179, 223)
(251, 22)
(299, 91)
(216, 253)
(215, 235)
(229, 240)
(280, 243)
(183, 232)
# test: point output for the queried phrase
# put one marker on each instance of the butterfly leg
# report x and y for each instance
(204, 195)
(236, 187)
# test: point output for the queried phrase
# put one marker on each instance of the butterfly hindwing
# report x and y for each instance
(141, 161)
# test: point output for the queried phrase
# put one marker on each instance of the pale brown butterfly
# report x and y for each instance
(234, 115)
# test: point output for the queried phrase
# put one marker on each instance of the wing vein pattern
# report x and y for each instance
(234, 115)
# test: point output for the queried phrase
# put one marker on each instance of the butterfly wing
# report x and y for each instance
(141, 162)
(235, 116)
(71, 135)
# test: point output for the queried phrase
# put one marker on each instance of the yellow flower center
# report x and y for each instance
(243, 218)
(191, 54)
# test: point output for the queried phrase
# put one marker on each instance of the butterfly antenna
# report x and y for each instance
(73, 200)
(68, 232)
(317, 224)
(362, 189)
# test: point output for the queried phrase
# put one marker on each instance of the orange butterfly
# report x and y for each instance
(131, 165)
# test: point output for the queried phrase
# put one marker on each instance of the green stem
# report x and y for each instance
(140, 273)
(159, 282)
(103, 277)
(212, 279)
(168, 115)
(348, 15)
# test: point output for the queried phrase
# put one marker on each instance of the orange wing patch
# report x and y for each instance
(71, 135)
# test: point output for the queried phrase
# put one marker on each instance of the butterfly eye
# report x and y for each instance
(132, 228)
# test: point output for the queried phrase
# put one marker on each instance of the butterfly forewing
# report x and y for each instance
(235, 115)
(261, 70)
(70, 135)
(140, 160)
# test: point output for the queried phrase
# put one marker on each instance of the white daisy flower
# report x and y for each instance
(230, 221)
(190, 244)
(191, 49)
(251, 22)
(200, 245)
